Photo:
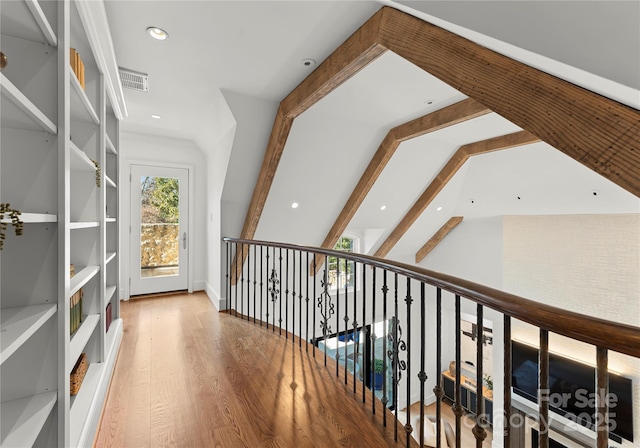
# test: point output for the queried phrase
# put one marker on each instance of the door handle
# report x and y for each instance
(184, 240)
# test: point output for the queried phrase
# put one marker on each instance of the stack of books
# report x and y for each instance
(77, 66)
(75, 307)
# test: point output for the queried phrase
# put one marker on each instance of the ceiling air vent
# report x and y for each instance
(134, 80)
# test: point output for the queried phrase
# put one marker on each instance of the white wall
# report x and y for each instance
(151, 149)
(217, 162)
(588, 264)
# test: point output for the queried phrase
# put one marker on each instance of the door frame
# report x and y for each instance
(125, 221)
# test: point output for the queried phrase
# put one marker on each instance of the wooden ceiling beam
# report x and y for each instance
(445, 175)
(360, 49)
(440, 119)
(596, 131)
(441, 234)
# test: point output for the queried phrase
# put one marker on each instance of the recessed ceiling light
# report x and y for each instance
(383, 207)
(439, 208)
(294, 205)
(308, 62)
(156, 116)
(157, 33)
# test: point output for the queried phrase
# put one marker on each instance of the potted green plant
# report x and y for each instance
(377, 375)
(489, 383)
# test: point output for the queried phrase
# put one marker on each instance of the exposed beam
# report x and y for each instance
(447, 116)
(355, 53)
(441, 234)
(598, 132)
(444, 176)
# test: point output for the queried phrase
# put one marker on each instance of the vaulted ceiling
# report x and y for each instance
(252, 52)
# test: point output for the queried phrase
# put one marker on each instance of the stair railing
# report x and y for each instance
(371, 298)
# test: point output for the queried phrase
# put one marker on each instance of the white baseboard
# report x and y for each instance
(220, 304)
(200, 285)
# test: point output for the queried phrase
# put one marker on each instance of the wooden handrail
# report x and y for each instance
(614, 336)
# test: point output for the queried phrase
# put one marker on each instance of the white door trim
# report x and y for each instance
(125, 223)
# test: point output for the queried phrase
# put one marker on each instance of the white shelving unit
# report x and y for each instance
(19, 324)
(55, 130)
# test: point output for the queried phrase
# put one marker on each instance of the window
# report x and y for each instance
(341, 272)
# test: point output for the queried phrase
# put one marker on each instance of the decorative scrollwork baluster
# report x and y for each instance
(327, 309)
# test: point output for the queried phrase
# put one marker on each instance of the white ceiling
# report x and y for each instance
(255, 49)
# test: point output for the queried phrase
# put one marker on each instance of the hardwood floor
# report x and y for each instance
(467, 439)
(188, 376)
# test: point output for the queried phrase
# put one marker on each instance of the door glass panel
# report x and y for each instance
(159, 226)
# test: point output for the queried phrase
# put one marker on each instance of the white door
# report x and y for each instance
(159, 229)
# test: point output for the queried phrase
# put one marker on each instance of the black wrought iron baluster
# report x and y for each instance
(346, 318)
(255, 282)
(262, 295)
(327, 309)
(268, 288)
(338, 316)
(393, 356)
(293, 299)
(274, 290)
(478, 430)
(248, 267)
(280, 301)
(242, 283)
(227, 286)
(422, 376)
(286, 299)
(507, 381)
(356, 335)
(235, 277)
(457, 406)
(315, 281)
(300, 304)
(307, 305)
(373, 343)
(365, 333)
(408, 301)
(385, 398)
(438, 390)
(543, 392)
(602, 397)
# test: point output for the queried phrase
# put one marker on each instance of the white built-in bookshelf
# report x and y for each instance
(55, 129)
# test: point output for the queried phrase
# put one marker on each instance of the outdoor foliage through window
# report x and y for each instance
(341, 271)
(159, 199)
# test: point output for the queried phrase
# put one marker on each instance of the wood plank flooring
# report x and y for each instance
(188, 376)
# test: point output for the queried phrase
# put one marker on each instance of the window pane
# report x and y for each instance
(159, 226)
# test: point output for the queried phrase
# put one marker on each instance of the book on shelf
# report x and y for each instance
(75, 306)
(77, 65)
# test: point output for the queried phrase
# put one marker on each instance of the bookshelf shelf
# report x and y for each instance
(54, 129)
(19, 324)
(82, 403)
(42, 21)
(82, 278)
(30, 118)
(35, 218)
(80, 161)
(23, 419)
(83, 225)
(81, 107)
(108, 294)
(81, 337)
(110, 147)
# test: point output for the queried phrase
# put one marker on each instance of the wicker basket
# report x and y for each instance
(78, 372)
